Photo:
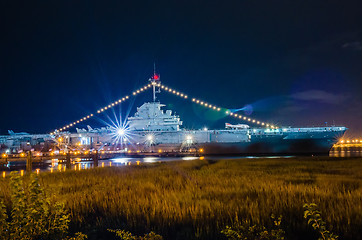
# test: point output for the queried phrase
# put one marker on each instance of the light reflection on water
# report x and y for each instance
(346, 153)
(190, 158)
(54, 165)
(150, 159)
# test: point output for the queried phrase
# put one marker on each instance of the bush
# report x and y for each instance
(33, 214)
(313, 215)
(244, 230)
(124, 235)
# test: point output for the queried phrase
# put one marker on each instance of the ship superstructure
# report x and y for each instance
(151, 117)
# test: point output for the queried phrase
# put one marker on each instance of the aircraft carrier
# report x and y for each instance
(155, 131)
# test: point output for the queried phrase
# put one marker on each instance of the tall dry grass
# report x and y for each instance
(197, 199)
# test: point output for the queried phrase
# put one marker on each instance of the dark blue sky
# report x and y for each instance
(297, 63)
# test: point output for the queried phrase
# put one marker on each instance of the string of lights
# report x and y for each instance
(173, 91)
(72, 124)
(169, 90)
(217, 108)
(105, 108)
(142, 89)
(245, 118)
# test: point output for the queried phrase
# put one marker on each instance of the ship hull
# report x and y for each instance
(237, 143)
(259, 147)
(275, 146)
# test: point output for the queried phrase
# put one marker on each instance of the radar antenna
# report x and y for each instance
(154, 68)
(156, 82)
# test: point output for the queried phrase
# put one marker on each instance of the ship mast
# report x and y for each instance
(155, 81)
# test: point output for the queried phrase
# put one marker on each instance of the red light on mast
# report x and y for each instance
(156, 77)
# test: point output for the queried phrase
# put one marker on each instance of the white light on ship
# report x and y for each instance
(120, 131)
(149, 138)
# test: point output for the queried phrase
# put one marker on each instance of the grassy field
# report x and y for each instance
(197, 199)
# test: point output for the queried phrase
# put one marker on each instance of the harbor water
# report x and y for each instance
(77, 164)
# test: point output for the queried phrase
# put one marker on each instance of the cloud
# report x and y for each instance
(353, 45)
(320, 96)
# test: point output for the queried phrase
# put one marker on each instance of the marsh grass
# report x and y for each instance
(197, 199)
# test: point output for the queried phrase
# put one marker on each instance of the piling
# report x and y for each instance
(5, 157)
(29, 163)
(95, 158)
(67, 161)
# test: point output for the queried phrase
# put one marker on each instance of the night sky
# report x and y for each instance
(296, 63)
